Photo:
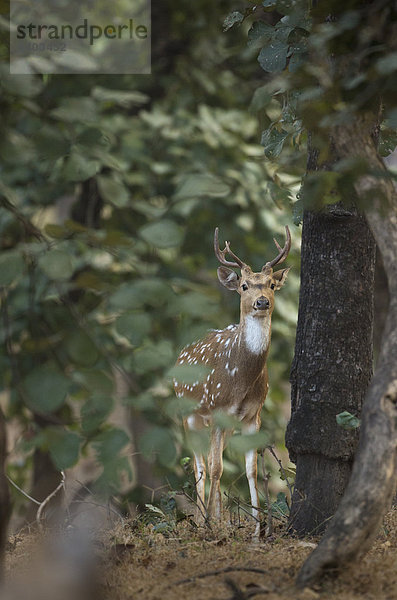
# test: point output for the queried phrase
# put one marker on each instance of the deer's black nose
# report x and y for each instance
(261, 303)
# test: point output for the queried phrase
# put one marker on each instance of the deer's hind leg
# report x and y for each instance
(199, 476)
(194, 423)
(215, 468)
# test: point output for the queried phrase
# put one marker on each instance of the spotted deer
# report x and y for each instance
(237, 382)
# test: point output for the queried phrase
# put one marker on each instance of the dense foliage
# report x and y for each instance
(326, 63)
(111, 188)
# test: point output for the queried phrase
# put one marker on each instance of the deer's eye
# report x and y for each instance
(272, 286)
(244, 287)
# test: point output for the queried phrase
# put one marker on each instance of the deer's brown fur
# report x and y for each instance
(237, 382)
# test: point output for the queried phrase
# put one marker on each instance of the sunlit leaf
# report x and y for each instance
(113, 191)
(162, 234)
(232, 19)
(245, 442)
(196, 185)
(347, 421)
(57, 265)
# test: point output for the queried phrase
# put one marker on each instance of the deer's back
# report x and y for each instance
(234, 381)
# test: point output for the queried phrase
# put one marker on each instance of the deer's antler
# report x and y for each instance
(220, 254)
(283, 252)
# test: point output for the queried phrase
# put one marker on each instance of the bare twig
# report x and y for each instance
(104, 506)
(239, 594)
(219, 572)
(46, 500)
(22, 491)
(240, 506)
(282, 470)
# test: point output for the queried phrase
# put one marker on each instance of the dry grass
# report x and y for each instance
(186, 562)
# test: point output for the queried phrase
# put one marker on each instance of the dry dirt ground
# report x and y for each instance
(135, 562)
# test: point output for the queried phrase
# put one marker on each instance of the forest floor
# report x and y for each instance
(137, 562)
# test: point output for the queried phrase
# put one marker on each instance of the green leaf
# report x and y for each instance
(287, 473)
(180, 407)
(197, 305)
(153, 292)
(12, 267)
(280, 196)
(94, 380)
(92, 137)
(188, 374)
(46, 389)
(387, 142)
(260, 99)
(225, 421)
(273, 58)
(273, 142)
(387, 64)
(155, 509)
(57, 265)
(113, 191)
(347, 421)
(196, 185)
(95, 411)
(109, 443)
(51, 144)
(158, 443)
(134, 326)
(124, 98)
(391, 116)
(127, 296)
(198, 441)
(63, 447)
(162, 234)
(232, 19)
(76, 109)
(27, 86)
(280, 507)
(245, 442)
(260, 32)
(56, 231)
(153, 356)
(79, 168)
(81, 349)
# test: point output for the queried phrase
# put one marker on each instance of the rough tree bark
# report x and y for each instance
(333, 357)
(374, 475)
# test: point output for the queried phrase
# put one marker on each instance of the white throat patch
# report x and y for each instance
(257, 334)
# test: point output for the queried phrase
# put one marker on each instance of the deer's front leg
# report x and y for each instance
(215, 468)
(251, 469)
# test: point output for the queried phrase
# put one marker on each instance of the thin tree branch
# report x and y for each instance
(46, 500)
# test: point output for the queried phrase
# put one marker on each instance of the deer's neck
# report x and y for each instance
(255, 334)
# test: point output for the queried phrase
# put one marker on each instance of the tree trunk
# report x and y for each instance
(332, 365)
(374, 476)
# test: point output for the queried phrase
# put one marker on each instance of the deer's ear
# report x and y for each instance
(279, 278)
(228, 278)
